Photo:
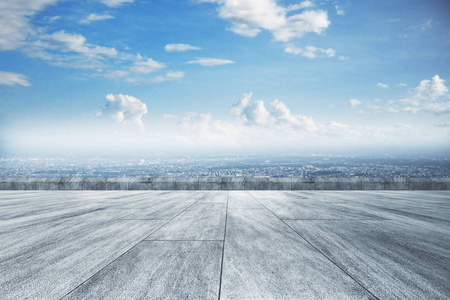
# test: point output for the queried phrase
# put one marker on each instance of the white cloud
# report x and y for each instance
(209, 62)
(310, 51)
(339, 11)
(283, 115)
(15, 17)
(68, 42)
(125, 109)
(180, 47)
(11, 79)
(115, 3)
(255, 113)
(429, 97)
(249, 17)
(146, 66)
(93, 18)
(301, 5)
(401, 84)
(237, 109)
(341, 57)
(437, 108)
(169, 76)
(53, 19)
(431, 89)
(382, 85)
(353, 102)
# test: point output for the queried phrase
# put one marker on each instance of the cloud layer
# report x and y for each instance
(125, 109)
(93, 18)
(11, 79)
(210, 62)
(430, 96)
(180, 47)
(249, 17)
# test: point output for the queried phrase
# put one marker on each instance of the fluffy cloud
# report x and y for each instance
(146, 66)
(283, 115)
(382, 85)
(249, 17)
(257, 125)
(68, 42)
(353, 102)
(15, 17)
(429, 96)
(9, 78)
(437, 108)
(67, 49)
(169, 76)
(180, 47)
(93, 18)
(431, 89)
(115, 3)
(310, 51)
(209, 62)
(125, 109)
(255, 113)
(301, 5)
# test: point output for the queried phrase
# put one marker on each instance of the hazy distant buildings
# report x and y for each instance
(225, 166)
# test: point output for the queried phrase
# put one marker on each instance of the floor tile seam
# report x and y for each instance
(106, 222)
(262, 208)
(182, 241)
(408, 214)
(148, 219)
(114, 260)
(223, 246)
(343, 220)
(318, 250)
(103, 268)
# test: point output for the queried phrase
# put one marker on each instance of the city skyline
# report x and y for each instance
(220, 76)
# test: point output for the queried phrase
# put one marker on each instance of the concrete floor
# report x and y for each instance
(228, 245)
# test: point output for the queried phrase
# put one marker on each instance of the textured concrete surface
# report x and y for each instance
(224, 244)
(225, 183)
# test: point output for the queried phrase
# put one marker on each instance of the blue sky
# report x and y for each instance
(145, 76)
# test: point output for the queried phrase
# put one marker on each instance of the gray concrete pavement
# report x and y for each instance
(224, 244)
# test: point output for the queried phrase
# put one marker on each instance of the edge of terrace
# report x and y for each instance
(223, 183)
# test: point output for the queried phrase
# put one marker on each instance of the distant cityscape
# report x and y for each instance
(225, 166)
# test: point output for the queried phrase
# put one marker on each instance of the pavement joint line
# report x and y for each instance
(182, 241)
(143, 240)
(312, 245)
(147, 219)
(346, 220)
(223, 245)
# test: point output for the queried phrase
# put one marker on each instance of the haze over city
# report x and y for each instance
(133, 77)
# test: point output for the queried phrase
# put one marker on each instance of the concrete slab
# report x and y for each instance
(301, 206)
(163, 211)
(242, 200)
(49, 261)
(159, 270)
(401, 259)
(265, 259)
(201, 221)
(338, 245)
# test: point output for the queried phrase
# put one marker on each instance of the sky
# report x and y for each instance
(133, 77)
